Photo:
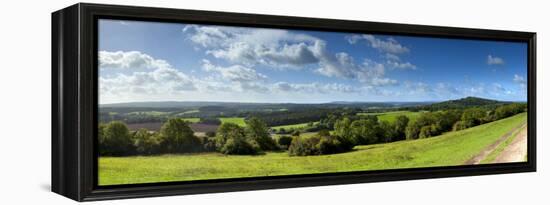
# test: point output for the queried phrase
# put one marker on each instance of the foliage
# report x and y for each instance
(284, 141)
(400, 125)
(231, 139)
(177, 137)
(115, 139)
(239, 146)
(258, 131)
(319, 144)
(146, 143)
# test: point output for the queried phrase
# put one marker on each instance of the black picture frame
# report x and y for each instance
(75, 100)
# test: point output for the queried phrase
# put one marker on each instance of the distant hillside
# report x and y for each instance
(463, 103)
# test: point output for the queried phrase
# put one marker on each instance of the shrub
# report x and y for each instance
(301, 146)
(318, 145)
(115, 139)
(239, 146)
(284, 141)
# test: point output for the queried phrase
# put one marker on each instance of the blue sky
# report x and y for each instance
(145, 61)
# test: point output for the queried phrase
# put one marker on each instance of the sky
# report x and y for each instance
(151, 61)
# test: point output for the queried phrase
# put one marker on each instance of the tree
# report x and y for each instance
(284, 141)
(231, 139)
(145, 142)
(258, 131)
(342, 128)
(388, 131)
(115, 139)
(365, 131)
(177, 137)
(412, 131)
(400, 125)
(473, 116)
(226, 131)
(323, 133)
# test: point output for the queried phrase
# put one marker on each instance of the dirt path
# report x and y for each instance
(516, 151)
(485, 152)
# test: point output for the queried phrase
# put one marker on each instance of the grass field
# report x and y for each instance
(237, 120)
(295, 126)
(191, 120)
(149, 113)
(449, 149)
(391, 116)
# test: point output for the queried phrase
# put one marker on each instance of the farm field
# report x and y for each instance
(237, 120)
(449, 149)
(391, 116)
(293, 126)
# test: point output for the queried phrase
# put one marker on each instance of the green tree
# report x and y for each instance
(388, 132)
(227, 131)
(473, 116)
(115, 139)
(365, 131)
(146, 143)
(342, 128)
(177, 137)
(258, 131)
(400, 125)
(231, 139)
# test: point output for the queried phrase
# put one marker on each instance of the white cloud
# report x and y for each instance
(519, 79)
(283, 49)
(129, 60)
(314, 87)
(392, 57)
(389, 45)
(274, 47)
(159, 79)
(239, 77)
(400, 65)
(342, 65)
(493, 60)
(522, 82)
(234, 73)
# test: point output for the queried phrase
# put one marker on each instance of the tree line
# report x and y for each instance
(350, 131)
(176, 136)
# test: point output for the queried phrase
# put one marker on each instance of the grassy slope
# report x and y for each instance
(449, 149)
(237, 120)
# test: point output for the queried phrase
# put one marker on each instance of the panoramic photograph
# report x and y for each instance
(186, 102)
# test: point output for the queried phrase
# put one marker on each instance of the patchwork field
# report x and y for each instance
(391, 116)
(449, 149)
(237, 120)
(294, 126)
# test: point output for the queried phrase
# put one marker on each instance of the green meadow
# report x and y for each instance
(448, 149)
